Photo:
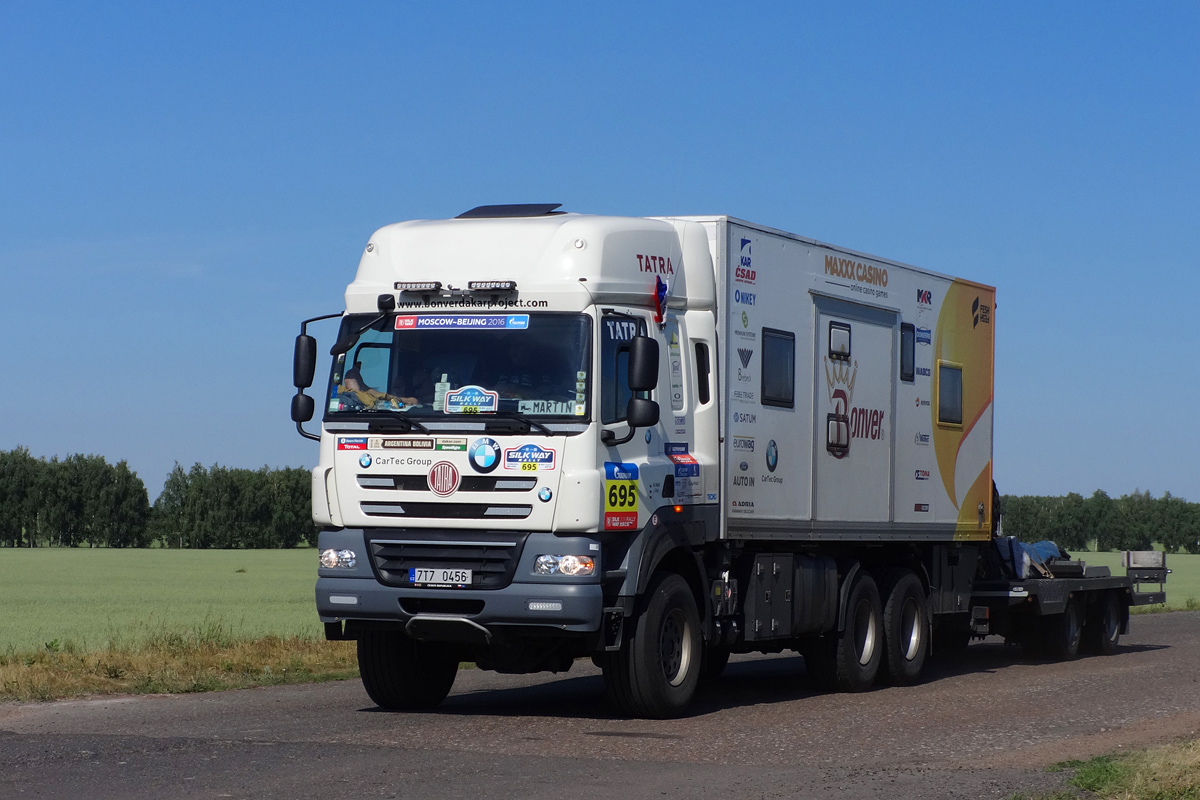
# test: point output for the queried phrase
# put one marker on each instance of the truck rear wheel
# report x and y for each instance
(1062, 633)
(849, 660)
(403, 674)
(1102, 631)
(905, 628)
(657, 669)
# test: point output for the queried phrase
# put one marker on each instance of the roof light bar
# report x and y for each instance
(418, 286)
(495, 286)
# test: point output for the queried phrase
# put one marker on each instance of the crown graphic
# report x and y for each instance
(840, 375)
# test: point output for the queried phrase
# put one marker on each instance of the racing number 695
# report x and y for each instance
(621, 495)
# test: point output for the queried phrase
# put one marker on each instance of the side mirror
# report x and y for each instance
(304, 361)
(302, 408)
(641, 413)
(643, 364)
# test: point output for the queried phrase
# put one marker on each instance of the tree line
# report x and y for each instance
(1135, 521)
(82, 501)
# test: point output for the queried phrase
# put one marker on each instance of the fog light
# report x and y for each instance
(545, 605)
(565, 565)
(333, 559)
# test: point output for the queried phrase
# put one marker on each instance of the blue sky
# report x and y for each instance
(181, 184)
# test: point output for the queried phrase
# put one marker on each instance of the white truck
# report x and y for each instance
(659, 441)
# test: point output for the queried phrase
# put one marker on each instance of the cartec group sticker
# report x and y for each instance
(463, 321)
(529, 458)
(620, 496)
(471, 400)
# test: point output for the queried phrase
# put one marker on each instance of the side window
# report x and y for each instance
(779, 368)
(949, 394)
(704, 394)
(839, 341)
(908, 346)
(616, 332)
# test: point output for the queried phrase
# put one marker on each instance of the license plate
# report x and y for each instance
(440, 576)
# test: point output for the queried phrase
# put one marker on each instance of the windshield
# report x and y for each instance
(443, 365)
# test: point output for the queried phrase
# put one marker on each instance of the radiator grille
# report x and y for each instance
(491, 556)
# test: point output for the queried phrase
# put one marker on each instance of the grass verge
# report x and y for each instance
(1169, 772)
(206, 659)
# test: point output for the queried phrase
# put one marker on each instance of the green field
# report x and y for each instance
(89, 599)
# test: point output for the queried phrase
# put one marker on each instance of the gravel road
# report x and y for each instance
(980, 727)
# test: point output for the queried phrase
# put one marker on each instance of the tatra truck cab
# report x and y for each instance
(656, 442)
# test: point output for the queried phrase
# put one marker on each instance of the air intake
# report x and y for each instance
(500, 212)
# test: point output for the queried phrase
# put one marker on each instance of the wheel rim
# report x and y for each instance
(1072, 626)
(1111, 625)
(675, 647)
(910, 629)
(864, 626)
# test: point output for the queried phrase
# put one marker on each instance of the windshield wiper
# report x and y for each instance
(519, 417)
(402, 417)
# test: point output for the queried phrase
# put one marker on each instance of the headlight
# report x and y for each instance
(564, 565)
(332, 559)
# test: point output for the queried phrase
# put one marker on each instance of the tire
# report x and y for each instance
(905, 628)
(1102, 631)
(849, 661)
(403, 674)
(657, 669)
(1062, 633)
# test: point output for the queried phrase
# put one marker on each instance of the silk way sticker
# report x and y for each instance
(471, 400)
(529, 458)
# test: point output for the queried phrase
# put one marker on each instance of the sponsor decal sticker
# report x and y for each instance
(655, 264)
(921, 438)
(462, 321)
(743, 466)
(744, 355)
(364, 460)
(921, 507)
(923, 372)
(529, 458)
(352, 443)
(742, 416)
(772, 456)
(743, 443)
(924, 336)
(484, 455)
(924, 297)
(744, 271)
(402, 444)
(471, 400)
(620, 496)
(712, 497)
(921, 474)
(454, 445)
(980, 313)
(745, 298)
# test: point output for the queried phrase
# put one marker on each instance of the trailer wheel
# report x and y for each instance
(403, 674)
(849, 660)
(1062, 633)
(1102, 631)
(905, 628)
(657, 669)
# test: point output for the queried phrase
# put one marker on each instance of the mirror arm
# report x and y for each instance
(610, 439)
(306, 434)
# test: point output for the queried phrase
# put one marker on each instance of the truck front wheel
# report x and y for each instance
(656, 671)
(403, 674)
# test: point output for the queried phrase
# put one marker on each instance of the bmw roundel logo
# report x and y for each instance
(365, 459)
(484, 455)
(772, 456)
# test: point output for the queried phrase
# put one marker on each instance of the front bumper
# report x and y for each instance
(548, 602)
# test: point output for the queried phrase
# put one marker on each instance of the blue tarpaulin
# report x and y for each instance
(1021, 556)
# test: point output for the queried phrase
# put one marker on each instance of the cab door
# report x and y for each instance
(854, 402)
